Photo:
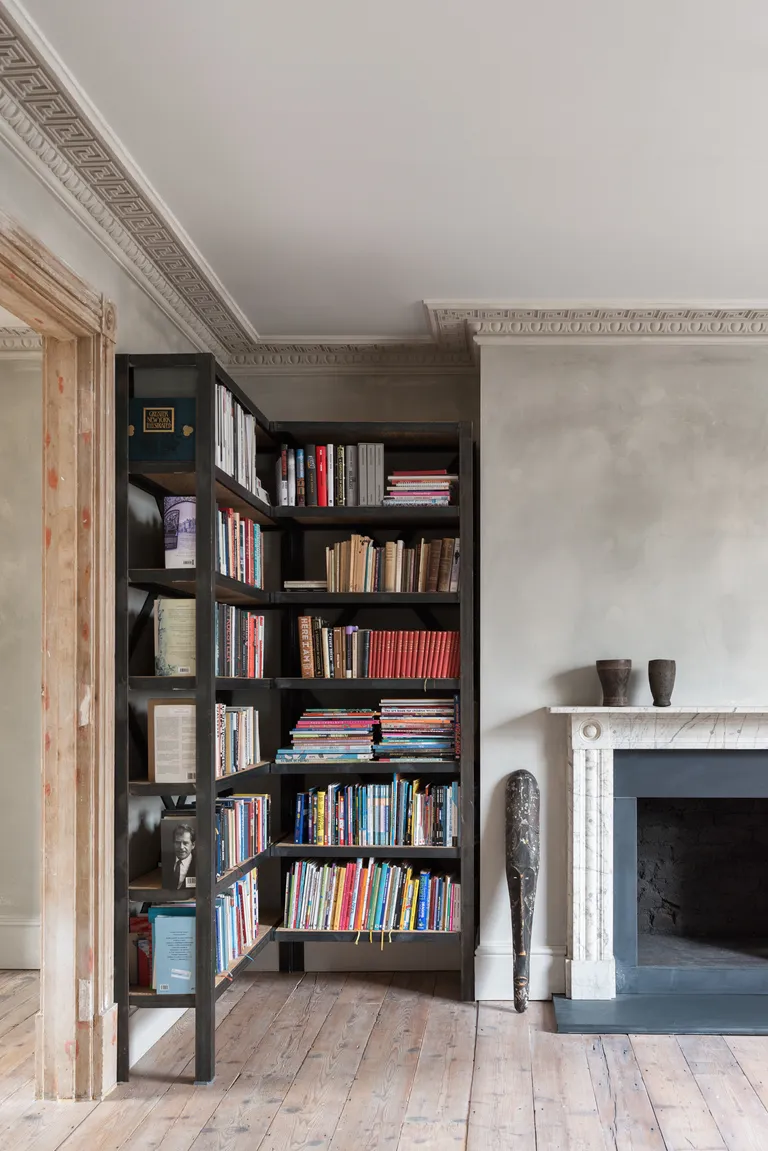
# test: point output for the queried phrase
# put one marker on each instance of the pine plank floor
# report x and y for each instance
(394, 1063)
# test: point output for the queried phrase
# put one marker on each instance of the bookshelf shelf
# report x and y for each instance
(367, 767)
(365, 599)
(294, 935)
(320, 851)
(369, 516)
(406, 685)
(224, 783)
(183, 581)
(291, 546)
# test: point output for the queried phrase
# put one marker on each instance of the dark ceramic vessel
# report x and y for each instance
(614, 678)
(661, 675)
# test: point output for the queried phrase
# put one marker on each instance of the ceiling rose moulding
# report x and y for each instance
(54, 127)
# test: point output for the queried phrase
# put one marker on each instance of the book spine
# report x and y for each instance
(341, 479)
(371, 470)
(291, 470)
(362, 475)
(305, 647)
(351, 472)
(322, 478)
(446, 563)
(453, 585)
(423, 903)
(283, 475)
(301, 488)
(379, 473)
(330, 470)
(311, 475)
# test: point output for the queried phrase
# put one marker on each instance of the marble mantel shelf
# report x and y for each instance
(593, 735)
(714, 709)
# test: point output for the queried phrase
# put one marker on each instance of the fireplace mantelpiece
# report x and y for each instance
(594, 733)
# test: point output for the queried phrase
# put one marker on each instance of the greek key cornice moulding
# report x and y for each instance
(49, 121)
(703, 322)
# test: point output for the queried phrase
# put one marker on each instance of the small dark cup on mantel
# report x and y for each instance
(614, 678)
(661, 675)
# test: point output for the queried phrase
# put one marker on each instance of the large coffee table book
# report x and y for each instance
(298, 696)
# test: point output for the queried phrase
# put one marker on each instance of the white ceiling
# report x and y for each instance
(339, 162)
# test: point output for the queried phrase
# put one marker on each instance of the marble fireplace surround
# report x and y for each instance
(594, 733)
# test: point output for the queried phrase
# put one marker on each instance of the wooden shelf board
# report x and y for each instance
(377, 514)
(185, 580)
(178, 478)
(295, 935)
(225, 783)
(235, 873)
(369, 598)
(323, 851)
(366, 767)
(405, 685)
(169, 684)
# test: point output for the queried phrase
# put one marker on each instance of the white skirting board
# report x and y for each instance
(494, 972)
(19, 943)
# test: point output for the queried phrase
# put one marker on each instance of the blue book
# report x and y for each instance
(173, 949)
(422, 908)
(377, 920)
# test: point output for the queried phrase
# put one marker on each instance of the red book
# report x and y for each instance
(429, 661)
(322, 477)
(445, 652)
(399, 654)
(388, 655)
(350, 872)
(378, 639)
(455, 662)
(251, 648)
(420, 648)
(410, 669)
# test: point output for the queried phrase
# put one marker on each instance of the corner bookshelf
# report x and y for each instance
(295, 535)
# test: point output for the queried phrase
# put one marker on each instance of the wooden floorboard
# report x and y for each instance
(394, 1062)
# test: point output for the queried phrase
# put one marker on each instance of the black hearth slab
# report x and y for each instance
(663, 1015)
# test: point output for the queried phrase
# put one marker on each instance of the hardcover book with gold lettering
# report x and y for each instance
(161, 429)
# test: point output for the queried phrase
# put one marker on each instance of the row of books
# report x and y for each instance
(237, 739)
(427, 729)
(161, 944)
(235, 448)
(242, 830)
(360, 653)
(239, 547)
(358, 565)
(330, 475)
(435, 488)
(239, 642)
(398, 814)
(372, 896)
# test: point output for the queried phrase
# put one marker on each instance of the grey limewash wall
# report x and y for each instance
(624, 513)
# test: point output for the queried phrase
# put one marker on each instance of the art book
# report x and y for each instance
(179, 527)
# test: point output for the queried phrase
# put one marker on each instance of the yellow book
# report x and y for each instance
(405, 911)
(340, 876)
(321, 817)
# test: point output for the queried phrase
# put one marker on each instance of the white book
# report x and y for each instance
(291, 478)
(171, 741)
(330, 472)
(362, 475)
(179, 529)
(371, 469)
(379, 472)
(350, 456)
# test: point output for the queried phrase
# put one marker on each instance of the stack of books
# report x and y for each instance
(330, 475)
(330, 735)
(358, 653)
(418, 729)
(357, 565)
(370, 896)
(239, 547)
(398, 814)
(237, 920)
(237, 739)
(421, 489)
(242, 830)
(239, 640)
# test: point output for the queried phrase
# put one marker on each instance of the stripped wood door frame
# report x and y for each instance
(76, 1045)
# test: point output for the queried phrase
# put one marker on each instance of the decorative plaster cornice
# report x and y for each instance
(16, 343)
(372, 359)
(51, 123)
(705, 322)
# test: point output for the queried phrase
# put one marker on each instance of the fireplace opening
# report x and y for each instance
(702, 882)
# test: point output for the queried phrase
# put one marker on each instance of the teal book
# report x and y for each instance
(173, 949)
(161, 429)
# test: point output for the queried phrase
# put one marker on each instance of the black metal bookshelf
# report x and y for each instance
(283, 690)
